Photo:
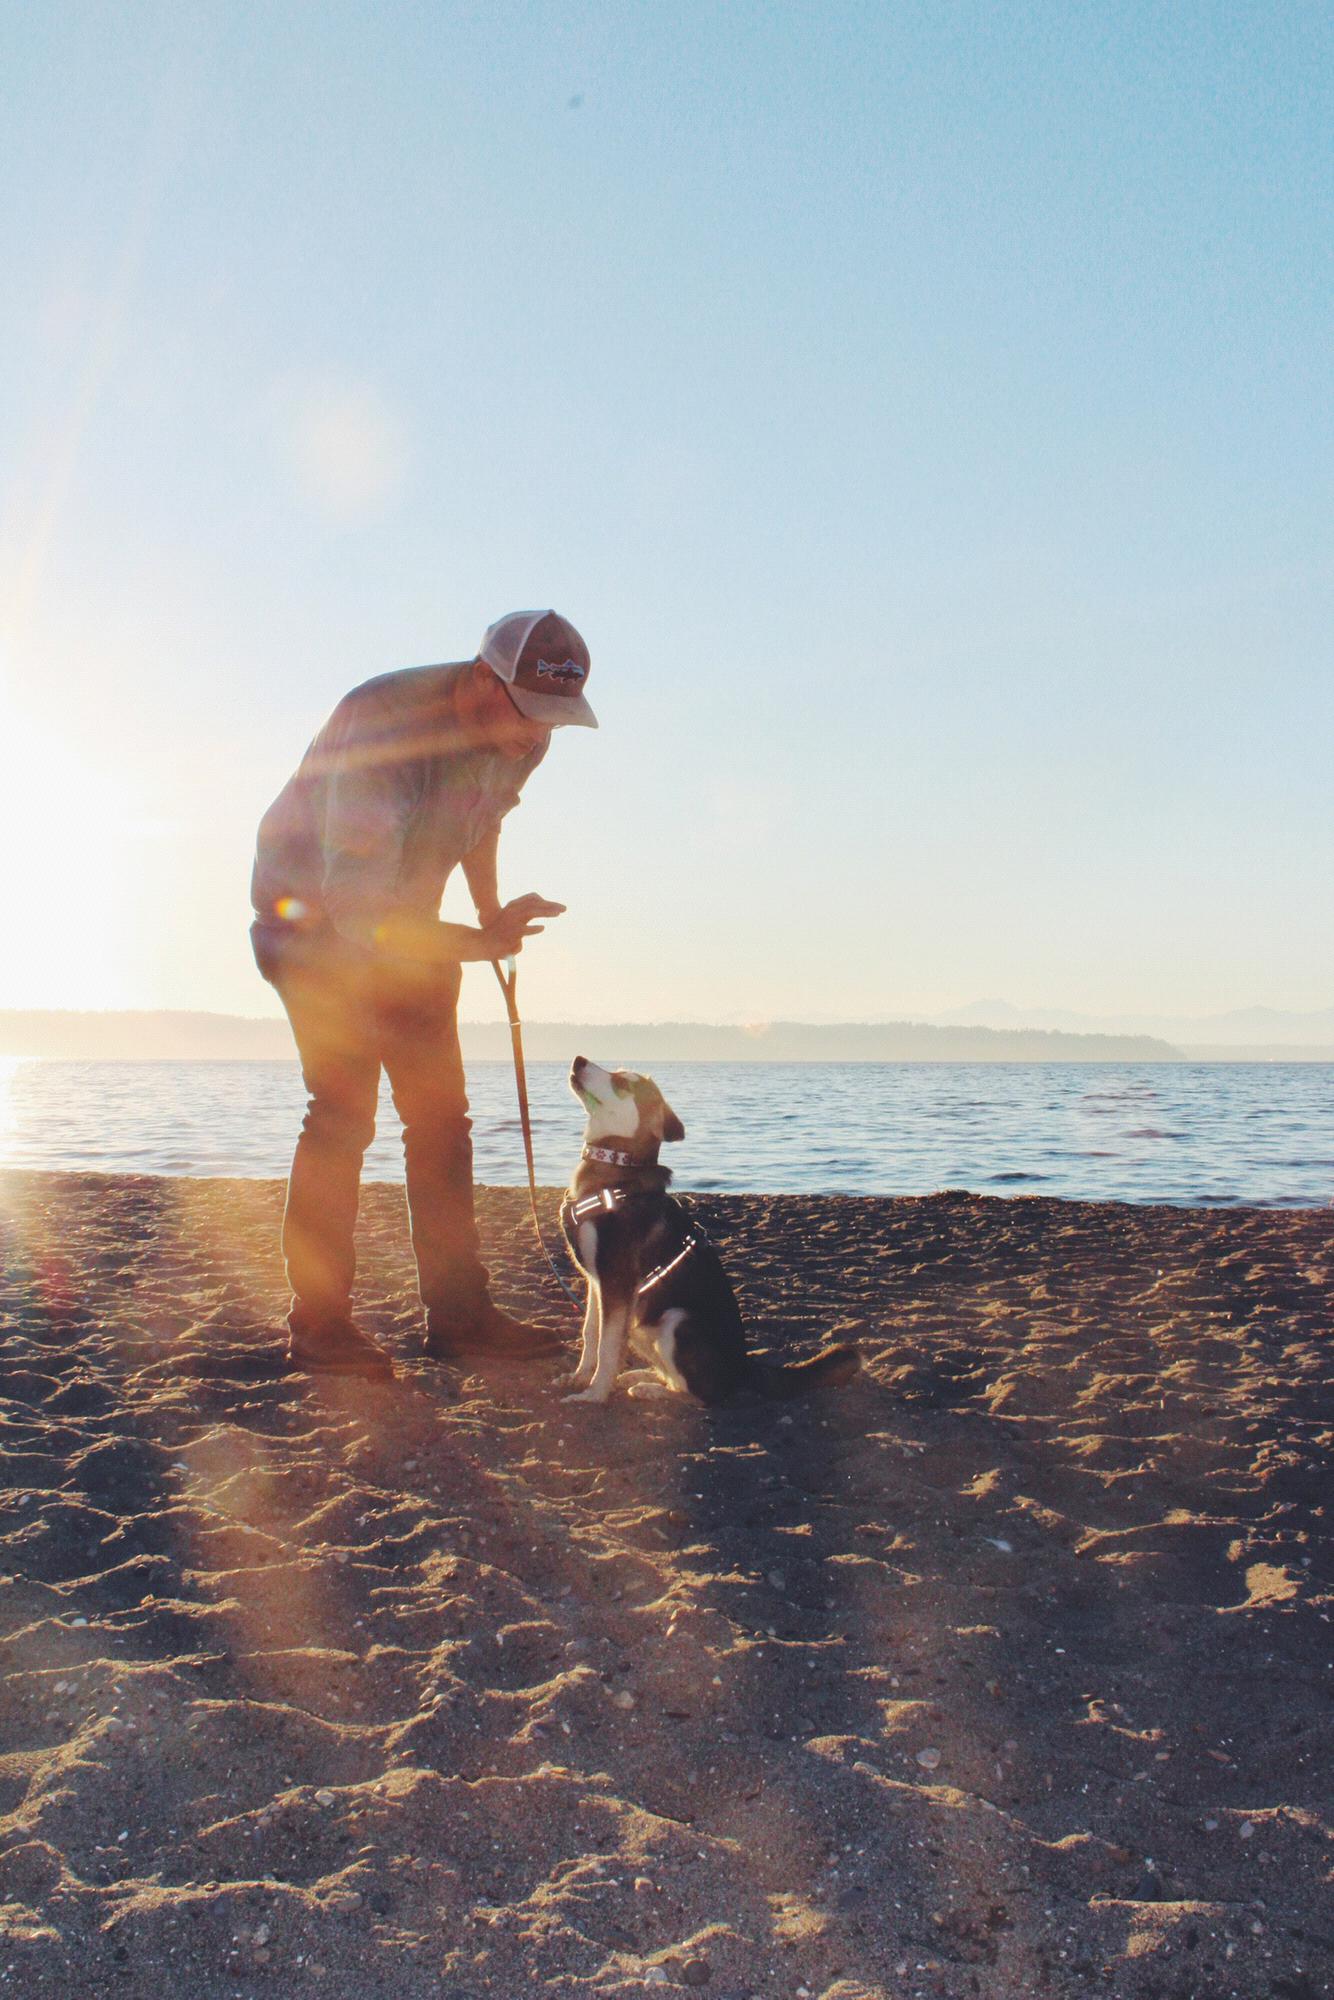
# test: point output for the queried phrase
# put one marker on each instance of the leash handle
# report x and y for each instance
(509, 987)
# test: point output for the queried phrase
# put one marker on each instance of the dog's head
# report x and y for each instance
(622, 1105)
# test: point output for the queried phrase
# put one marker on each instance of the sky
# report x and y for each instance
(922, 410)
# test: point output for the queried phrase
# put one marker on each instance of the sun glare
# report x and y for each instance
(63, 832)
(9, 1069)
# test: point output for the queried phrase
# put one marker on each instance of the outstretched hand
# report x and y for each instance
(505, 933)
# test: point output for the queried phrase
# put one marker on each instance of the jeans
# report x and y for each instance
(353, 1016)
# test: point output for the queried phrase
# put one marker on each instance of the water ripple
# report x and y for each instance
(1208, 1134)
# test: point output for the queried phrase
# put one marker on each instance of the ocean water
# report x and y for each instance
(1187, 1133)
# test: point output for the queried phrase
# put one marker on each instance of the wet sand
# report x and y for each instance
(1002, 1671)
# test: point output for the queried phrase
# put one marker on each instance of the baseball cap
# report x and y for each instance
(544, 664)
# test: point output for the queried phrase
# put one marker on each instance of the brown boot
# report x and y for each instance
(335, 1347)
(484, 1333)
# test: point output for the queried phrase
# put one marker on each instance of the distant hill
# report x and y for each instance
(806, 1041)
(1246, 1033)
(146, 1037)
(1257, 1052)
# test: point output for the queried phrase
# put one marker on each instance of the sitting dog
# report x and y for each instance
(655, 1282)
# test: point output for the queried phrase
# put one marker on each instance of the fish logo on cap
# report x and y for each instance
(564, 670)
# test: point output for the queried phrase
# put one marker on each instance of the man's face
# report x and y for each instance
(507, 728)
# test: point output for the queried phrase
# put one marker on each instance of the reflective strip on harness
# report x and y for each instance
(606, 1198)
(665, 1270)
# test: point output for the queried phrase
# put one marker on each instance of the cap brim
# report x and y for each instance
(552, 709)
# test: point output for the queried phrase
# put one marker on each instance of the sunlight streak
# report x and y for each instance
(27, 532)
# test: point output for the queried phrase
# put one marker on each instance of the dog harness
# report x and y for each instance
(607, 1200)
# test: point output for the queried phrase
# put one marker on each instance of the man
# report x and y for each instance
(410, 776)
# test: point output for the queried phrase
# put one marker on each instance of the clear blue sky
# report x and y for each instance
(923, 410)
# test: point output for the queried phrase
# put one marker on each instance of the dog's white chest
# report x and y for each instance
(586, 1242)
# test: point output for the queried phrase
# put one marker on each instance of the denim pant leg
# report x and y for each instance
(420, 1045)
(340, 1064)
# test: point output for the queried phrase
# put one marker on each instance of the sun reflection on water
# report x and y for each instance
(10, 1067)
(13, 1077)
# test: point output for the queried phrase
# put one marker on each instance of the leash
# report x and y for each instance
(509, 981)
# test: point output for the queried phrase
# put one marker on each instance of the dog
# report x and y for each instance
(656, 1284)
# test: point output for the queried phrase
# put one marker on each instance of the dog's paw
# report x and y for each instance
(643, 1391)
(567, 1383)
(587, 1396)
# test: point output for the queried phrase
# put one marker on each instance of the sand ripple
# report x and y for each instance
(1004, 1671)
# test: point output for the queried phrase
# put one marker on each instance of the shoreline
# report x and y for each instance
(999, 1670)
(550, 1193)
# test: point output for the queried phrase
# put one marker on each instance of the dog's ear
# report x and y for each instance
(672, 1128)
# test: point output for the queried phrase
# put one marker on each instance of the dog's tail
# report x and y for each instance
(826, 1370)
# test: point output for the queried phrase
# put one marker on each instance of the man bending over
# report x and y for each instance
(410, 776)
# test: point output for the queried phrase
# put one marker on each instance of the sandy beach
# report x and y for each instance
(1001, 1672)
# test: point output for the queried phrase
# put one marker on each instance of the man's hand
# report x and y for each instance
(503, 937)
